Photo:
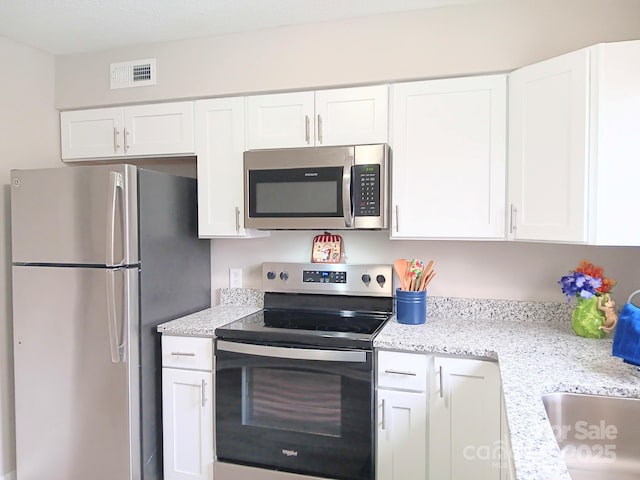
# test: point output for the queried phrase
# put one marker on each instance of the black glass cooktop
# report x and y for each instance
(344, 321)
(331, 326)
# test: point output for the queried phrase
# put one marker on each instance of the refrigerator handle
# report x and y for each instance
(115, 183)
(112, 316)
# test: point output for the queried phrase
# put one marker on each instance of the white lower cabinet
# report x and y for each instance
(464, 420)
(187, 408)
(402, 435)
(438, 418)
(401, 416)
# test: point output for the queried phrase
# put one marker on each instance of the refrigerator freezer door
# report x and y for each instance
(75, 215)
(77, 412)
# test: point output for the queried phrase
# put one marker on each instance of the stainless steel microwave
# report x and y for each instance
(313, 188)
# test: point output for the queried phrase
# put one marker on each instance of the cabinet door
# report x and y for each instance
(159, 129)
(187, 422)
(548, 136)
(614, 143)
(219, 147)
(449, 147)
(92, 133)
(464, 416)
(351, 116)
(401, 435)
(280, 120)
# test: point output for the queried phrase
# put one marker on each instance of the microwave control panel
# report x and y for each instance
(366, 198)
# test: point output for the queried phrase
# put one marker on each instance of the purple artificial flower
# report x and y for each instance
(580, 285)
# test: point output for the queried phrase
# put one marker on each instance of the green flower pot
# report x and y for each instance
(587, 319)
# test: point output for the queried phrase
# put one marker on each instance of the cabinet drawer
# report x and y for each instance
(407, 371)
(187, 352)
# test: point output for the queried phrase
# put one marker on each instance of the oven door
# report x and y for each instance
(299, 188)
(306, 411)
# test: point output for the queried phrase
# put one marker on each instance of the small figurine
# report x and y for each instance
(610, 317)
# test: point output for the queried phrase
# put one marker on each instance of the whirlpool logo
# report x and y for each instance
(289, 453)
(310, 174)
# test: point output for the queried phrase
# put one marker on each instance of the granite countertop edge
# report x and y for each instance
(533, 343)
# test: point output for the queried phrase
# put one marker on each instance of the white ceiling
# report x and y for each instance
(63, 27)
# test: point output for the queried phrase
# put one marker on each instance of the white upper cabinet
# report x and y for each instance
(92, 133)
(164, 129)
(160, 129)
(548, 136)
(574, 147)
(220, 128)
(352, 116)
(328, 117)
(280, 120)
(449, 157)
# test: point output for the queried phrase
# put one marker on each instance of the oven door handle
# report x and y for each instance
(292, 353)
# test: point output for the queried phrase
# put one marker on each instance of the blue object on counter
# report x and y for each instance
(411, 307)
(626, 340)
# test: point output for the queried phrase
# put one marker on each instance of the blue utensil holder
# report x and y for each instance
(411, 307)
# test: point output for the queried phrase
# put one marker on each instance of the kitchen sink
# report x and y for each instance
(599, 436)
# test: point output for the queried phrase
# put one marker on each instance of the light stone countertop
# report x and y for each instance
(533, 343)
(534, 357)
(205, 322)
(235, 303)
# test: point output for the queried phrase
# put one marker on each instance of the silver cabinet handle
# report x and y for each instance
(441, 383)
(401, 372)
(126, 140)
(397, 219)
(116, 146)
(513, 219)
(183, 354)
(204, 395)
(307, 134)
(237, 220)
(382, 426)
(319, 129)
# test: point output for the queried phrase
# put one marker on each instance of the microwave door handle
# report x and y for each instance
(347, 207)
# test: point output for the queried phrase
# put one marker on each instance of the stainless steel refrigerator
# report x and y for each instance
(101, 255)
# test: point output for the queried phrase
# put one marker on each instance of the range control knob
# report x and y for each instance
(284, 276)
(366, 278)
(381, 280)
(271, 275)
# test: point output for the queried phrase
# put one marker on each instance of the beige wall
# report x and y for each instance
(28, 139)
(451, 41)
(500, 270)
(458, 40)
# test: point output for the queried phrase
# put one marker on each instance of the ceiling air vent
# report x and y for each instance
(137, 73)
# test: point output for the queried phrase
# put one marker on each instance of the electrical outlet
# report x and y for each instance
(235, 278)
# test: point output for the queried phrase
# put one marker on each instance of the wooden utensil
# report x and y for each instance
(428, 279)
(401, 266)
(427, 275)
